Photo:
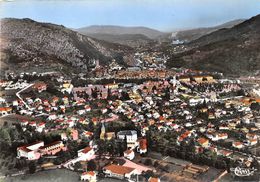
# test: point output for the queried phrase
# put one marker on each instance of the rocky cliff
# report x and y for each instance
(25, 40)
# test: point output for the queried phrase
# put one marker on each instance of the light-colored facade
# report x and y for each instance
(130, 136)
(30, 151)
(89, 176)
(86, 153)
(120, 172)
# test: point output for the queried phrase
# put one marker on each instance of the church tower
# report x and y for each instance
(103, 131)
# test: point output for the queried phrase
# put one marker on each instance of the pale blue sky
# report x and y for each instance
(164, 15)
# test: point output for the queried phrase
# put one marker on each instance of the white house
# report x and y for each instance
(86, 153)
(63, 136)
(71, 122)
(81, 112)
(87, 108)
(104, 110)
(153, 179)
(237, 145)
(24, 122)
(30, 151)
(130, 136)
(142, 147)
(89, 176)
(15, 103)
(52, 117)
(5, 111)
(129, 154)
(120, 172)
(40, 127)
(195, 101)
(217, 136)
(251, 142)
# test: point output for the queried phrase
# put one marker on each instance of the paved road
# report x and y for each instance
(18, 95)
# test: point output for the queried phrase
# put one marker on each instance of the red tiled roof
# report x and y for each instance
(24, 147)
(222, 134)
(226, 152)
(117, 169)
(91, 173)
(202, 140)
(94, 119)
(5, 108)
(88, 133)
(237, 143)
(143, 144)
(253, 140)
(161, 118)
(41, 124)
(86, 150)
(151, 179)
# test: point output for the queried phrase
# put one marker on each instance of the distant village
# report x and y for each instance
(142, 123)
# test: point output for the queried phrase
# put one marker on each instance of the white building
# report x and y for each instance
(86, 153)
(30, 151)
(130, 136)
(120, 172)
(89, 176)
(129, 154)
(142, 146)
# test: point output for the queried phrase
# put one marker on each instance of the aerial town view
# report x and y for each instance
(113, 90)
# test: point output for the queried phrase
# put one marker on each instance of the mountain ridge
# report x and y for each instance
(115, 30)
(26, 40)
(232, 51)
(195, 33)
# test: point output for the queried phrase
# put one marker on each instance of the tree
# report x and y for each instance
(156, 164)
(167, 93)
(77, 166)
(255, 164)
(32, 167)
(91, 126)
(148, 174)
(148, 162)
(91, 165)
(14, 134)
(221, 163)
(57, 161)
(94, 93)
(109, 94)
(255, 106)
(125, 96)
(5, 136)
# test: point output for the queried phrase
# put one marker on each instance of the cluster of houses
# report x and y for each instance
(150, 59)
(169, 104)
(144, 109)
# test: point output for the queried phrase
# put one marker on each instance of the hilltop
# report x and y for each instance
(30, 43)
(230, 50)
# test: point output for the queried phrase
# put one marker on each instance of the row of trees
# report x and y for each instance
(165, 143)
